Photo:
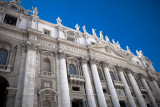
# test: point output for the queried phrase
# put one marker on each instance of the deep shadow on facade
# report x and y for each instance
(49, 65)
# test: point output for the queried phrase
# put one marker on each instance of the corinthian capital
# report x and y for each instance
(92, 61)
(83, 60)
(61, 54)
(128, 70)
(104, 64)
(141, 75)
(119, 68)
(32, 46)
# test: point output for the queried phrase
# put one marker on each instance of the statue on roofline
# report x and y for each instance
(77, 27)
(101, 35)
(93, 32)
(140, 54)
(128, 50)
(107, 39)
(35, 11)
(59, 21)
(84, 29)
(113, 41)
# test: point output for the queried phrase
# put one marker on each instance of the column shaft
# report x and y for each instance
(157, 89)
(137, 91)
(29, 79)
(88, 86)
(64, 83)
(98, 86)
(111, 88)
(149, 92)
(127, 90)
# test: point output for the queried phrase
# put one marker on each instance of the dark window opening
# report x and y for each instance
(46, 32)
(3, 91)
(105, 90)
(122, 103)
(3, 57)
(11, 20)
(71, 39)
(76, 88)
(77, 103)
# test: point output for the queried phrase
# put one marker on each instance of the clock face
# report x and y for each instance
(72, 69)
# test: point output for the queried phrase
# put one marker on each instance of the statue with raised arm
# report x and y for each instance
(84, 29)
(77, 27)
(93, 32)
(101, 35)
(59, 21)
(128, 50)
(35, 11)
(140, 53)
(107, 39)
(113, 41)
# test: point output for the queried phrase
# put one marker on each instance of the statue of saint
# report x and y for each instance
(140, 53)
(93, 31)
(84, 29)
(128, 50)
(101, 35)
(59, 21)
(35, 11)
(107, 39)
(77, 27)
(113, 41)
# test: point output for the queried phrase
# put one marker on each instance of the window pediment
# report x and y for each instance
(47, 91)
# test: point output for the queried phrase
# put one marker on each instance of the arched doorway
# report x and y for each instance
(3, 91)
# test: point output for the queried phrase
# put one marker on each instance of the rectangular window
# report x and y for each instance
(46, 32)
(105, 90)
(11, 20)
(76, 88)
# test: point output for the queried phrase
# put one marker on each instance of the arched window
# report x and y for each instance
(72, 69)
(3, 57)
(100, 74)
(46, 65)
(112, 76)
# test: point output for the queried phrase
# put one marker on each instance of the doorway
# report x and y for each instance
(77, 103)
(3, 91)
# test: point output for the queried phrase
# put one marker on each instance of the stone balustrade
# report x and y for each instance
(76, 79)
(5, 68)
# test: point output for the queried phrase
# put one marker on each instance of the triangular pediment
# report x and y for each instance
(108, 49)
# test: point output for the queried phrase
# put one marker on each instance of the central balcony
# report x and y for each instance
(76, 79)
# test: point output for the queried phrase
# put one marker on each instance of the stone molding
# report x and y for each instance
(128, 71)
(141, 75)
(61, 54)
(105, 64)
(31, 46)
(92, 61)
(119, 68)
(83, 60)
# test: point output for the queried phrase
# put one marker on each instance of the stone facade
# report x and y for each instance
(49, 65)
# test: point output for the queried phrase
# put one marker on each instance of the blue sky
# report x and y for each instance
(135, 23)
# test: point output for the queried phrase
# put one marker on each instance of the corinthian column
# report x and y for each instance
(98, 86)
(148, 90)
(29, 80)
(126, 87)
(136, 89)
(88, 86)
(156, 87)
(111, 88)
(64, 81)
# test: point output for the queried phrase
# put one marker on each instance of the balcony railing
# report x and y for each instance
(76, 79)
(118, 84)
(5, 68)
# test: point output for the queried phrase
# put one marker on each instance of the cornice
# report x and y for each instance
(12, 28)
